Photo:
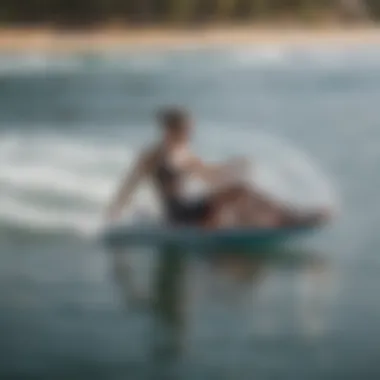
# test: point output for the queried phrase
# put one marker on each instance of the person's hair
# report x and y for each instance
(173, 118)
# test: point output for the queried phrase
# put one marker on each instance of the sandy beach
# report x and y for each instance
(50, 41)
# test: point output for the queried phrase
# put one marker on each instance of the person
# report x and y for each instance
(170, 162)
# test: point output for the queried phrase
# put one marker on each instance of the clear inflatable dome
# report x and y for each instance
(276, 167)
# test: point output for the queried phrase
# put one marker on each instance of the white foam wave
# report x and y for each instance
(37, 171)
(43, 64)
(220, 59)
(15, 212)
(60, 165)
(34, 167)
(65, 151)
(266, 55)
(39, 177)
(136, 62)
(82, 170)
(34, 218)
(306, 57)
(25, 64)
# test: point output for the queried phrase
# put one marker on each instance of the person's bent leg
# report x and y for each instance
(221, 201)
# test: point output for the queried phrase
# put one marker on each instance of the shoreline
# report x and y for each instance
(50, 41)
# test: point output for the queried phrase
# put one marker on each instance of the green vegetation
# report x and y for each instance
(184, 12)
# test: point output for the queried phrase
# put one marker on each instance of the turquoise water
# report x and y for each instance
(70, 125)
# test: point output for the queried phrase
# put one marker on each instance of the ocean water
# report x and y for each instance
(69, 127)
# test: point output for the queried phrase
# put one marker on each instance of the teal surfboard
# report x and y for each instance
(190, 237)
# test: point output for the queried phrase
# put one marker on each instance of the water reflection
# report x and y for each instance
(201, 304)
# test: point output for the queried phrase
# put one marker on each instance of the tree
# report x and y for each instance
(181, 11)
(225, 9)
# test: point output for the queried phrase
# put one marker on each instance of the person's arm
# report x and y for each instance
(123, 196)
(216, 173)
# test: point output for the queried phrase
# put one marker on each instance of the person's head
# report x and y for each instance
(175, 124)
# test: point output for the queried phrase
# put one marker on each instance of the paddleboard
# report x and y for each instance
(195, 237)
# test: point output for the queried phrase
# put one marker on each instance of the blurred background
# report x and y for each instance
(72, 117)
(190, 12)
